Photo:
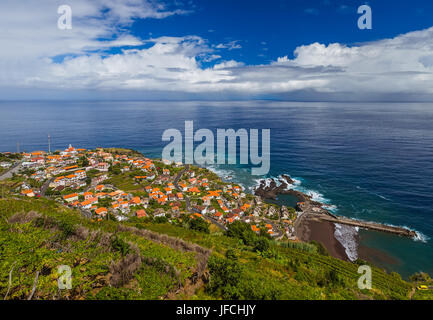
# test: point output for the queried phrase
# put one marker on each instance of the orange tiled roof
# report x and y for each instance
(70, 196)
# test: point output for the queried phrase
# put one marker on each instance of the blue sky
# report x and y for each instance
(286, 24)
(217, 49)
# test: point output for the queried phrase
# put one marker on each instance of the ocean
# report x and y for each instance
(369, 161)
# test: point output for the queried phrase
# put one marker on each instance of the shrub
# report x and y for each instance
(231, 254)
(67, 228)
(120, 245)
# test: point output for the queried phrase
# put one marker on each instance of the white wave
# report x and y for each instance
(382, 197)
(331, 207)
(347, 235)
(222, 173)
(419, 235)
(290, 186)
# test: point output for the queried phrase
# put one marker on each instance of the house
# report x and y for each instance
(159, 214)
(59, 181)
(88, 195)
(255, 229)
(5, 164)
(194, 190)
(166, 162)
(29, 193)
(101, 195)
(179, 196)
(218, 215)
(81, 174)
(70, 168)
(101, 211)
(71, 178)
(206, 200)
(214, 194)
(136, 201)
(246, 219)
(103, 166)
(237, 211)
(38, 160)
(116, 194)
(71, 197)
(201, 209)
(141, 213)
(162, 200)
(87, 204)
(151, 176)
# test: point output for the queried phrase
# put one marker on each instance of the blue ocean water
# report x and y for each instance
(371, 161)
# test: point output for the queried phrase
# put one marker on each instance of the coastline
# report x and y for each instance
(308, 227)
(324, 233)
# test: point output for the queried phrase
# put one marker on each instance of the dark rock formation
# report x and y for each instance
(272, 190)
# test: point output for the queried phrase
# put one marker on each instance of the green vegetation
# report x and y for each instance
(154, 259)
(197, 224)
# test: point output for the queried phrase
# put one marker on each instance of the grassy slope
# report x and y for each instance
(33, 246)
(43, 244)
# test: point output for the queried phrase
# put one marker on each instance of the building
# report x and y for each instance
(71, 197)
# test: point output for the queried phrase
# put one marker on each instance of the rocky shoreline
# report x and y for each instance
(307, 227)
(271, 190)
(332, 231)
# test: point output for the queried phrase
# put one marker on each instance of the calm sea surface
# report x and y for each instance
(367, 161)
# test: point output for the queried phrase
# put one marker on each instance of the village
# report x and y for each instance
(123, 184)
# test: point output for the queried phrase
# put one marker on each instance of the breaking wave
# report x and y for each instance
(347, 236)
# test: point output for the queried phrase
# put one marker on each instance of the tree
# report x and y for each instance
(225, 278)
(262, 245)
(83, 162)
(199, 225)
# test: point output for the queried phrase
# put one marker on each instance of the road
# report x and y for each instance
(187, 201)
(8, 174)
(45, 187)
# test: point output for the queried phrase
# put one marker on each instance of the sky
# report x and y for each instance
(309, 50)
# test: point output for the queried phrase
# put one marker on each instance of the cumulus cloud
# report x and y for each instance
(37, 55)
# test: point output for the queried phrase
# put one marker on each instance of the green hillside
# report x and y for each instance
(147, 260)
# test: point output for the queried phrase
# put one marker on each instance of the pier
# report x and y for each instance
(366, 225)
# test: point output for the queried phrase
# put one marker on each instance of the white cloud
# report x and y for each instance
(401, 65)
(230, 45)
